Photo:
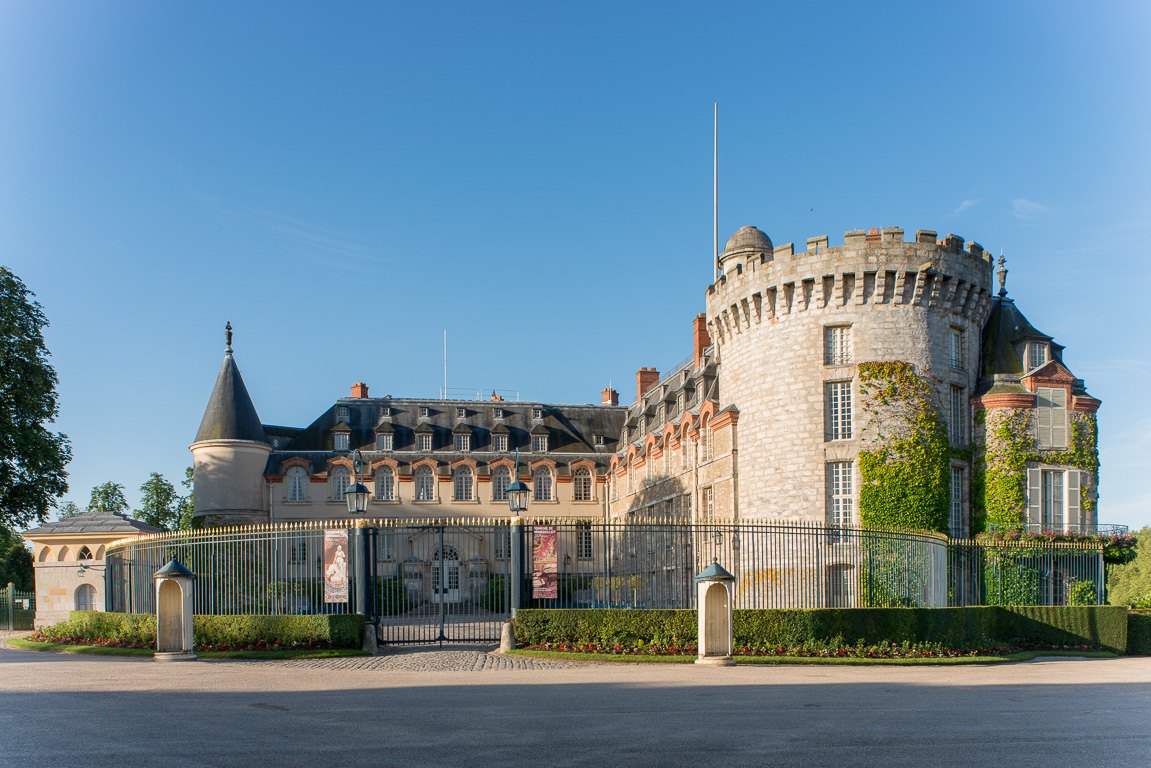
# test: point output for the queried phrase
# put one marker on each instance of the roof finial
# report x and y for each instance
(1002, 272)
(228, 337)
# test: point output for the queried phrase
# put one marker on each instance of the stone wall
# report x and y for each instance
(56, 585)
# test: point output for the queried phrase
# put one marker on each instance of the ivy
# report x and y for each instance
(906, 472)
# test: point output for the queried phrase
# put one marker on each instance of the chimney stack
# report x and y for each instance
(700, 337)
(359, 389)
(645, 379)
(610, 397)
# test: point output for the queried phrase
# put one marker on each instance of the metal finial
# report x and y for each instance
(228, 337)
(1002, 272)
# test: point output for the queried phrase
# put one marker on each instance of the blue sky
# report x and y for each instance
(345, 181)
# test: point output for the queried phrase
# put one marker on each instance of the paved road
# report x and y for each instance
(445, 709)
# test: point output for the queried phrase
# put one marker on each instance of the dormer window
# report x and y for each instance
(423, 411)
(1036, 355)
(463, 442)
(537, 413)
(340, 441)
(386, 411)
(540, 443)
(384, 442)
(499, 442)
(501, 413)
(461, 413)
(597, 439)
(342, 413)
(424, 441)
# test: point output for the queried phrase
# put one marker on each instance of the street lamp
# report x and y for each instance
(357, 494)
(517, 492)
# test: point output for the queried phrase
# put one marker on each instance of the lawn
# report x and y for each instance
(637, 659)
(307, 653)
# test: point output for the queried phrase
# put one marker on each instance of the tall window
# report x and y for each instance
(705, 441)
(297, 484)
(341, 479)
(1052, 405)
(499, 442)
(385, 484)
(463, 484)
(463, 442)
(424, 441)
(503, 545)
(542, 485)
(839, 586)
(581, 485)
(955, 520)
(339, 441)
(839, 410)
(425, 484)
(583, 541)
(384, 442)
(1036, 355)
(955, 349)
(839, 493)
(667, 458)
(540, 443)
(298, 553)
(387, 547)
(501, 479)
(86, 598)
(1051, 501)
(957, 422)
(342, 413)
(649, 467)
(837, 345)
(708, 499)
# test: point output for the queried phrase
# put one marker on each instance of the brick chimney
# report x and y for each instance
(359, 389)
(610, 397)
(645, 379)
(701, 339)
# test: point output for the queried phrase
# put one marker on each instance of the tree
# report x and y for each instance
(68, 509)
(32, 459)
(108, 497)
(15, 562)
(187, 504)
(160, 503)
(1130, 584)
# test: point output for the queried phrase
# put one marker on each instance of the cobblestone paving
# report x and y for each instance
(429, 661)
(10, 634)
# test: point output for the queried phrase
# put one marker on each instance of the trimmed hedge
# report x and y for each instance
(1102, 627)
(342, 630)
(1139, 633)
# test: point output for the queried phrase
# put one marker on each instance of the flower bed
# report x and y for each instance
(1118, 548)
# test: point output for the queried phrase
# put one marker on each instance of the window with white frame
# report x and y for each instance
(955, 349)
(424, 411)
(684, 443)
(339, 441)
(839, 586)
(583, 541)
(837, 345)
(955, 519)
(425, 482)
(705, 441)
(1053, 498)
(342, 413)
(463, 484)
(582, 485)
(385, 484)
(424, 441)
(298, 550)
(499, 443)
(463, 442)
(542, 484)
(649, 466)
(384, 442)
(667, 458)
(957, 421)
(503, 543)
(341, 478)
(537, 413)
(387, 547)
(85, 598)
(297, 478)
(1036, 354)
(708, 501)
(839, 498)
(461, 413)
(1052, 417)
(385, 411)
(540, 443)
(501, 479)
(597, 439)
(839, 410)
(630, 477)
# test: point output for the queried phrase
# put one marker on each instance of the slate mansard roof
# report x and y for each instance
(94, 522)
(230, 414)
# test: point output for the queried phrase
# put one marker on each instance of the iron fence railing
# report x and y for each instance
(458, 580)
(17, 608)
(1087, 529)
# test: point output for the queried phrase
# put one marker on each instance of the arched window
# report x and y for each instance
(341, 479)
(385, 484)
(297, 484)
(582, 485)
(85, 598)
(501, 479)
(425, 484)
(85, 554)
(463, 484)
(542, 485)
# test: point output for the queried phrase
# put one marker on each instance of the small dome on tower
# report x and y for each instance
(748, 239)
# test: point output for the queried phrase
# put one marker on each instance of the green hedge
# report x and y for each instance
(343, 631)
(1139, 633)
(1098, 626)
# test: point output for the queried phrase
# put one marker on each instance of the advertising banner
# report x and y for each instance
(545, 583)
(335, 566)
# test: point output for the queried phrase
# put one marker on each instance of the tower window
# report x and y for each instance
(839, 511)
(839, 410)
(837, 345)
(955, 424)
(1052, 417)
(955, 349)
(1036, 355)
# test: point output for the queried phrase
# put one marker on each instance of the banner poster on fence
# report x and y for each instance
(335, 566)
(544, 581)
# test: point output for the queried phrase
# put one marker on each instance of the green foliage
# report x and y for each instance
(953, 628)
(1082, 593)
(15, 562)
(1139, 633)
(1130, 584)
(67, 509)
(187, 503)
(392, 597)
(343, 630)
(159, 501)
(32, 472)
(906, 478)
(494, 597)
(108, 497)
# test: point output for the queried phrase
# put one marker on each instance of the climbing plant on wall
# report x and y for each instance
(905, 471)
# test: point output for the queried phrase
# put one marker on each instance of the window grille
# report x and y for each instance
(299, 550)
(86, 598)
(503, 544)
(85, 554)
(423, 411)
(839, 410)
(955, 520)
(342, 413)
(837, 345)
(955, 353)
(537, 413)
(461, 413)
(597, 439)
(708, 504)
(839, 497)
(1037, 355)
(583, 541)
(956, 422)
(705, 441)
(1052, 500)
(839, 586)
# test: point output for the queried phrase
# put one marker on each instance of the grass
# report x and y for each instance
(308, 653)
(1021, 656)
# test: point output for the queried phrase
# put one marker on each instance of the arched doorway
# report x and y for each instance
(446, 575)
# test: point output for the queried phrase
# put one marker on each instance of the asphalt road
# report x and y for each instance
(63, 710)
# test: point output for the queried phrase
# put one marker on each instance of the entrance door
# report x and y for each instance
(446, 576)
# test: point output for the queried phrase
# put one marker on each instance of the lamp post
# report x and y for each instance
(357, 494)
(357, 497)
(517, 505)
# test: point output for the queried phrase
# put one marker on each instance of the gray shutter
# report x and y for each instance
(1043, 402)
(1073, 520)
(1058, 400)
(1034, 479)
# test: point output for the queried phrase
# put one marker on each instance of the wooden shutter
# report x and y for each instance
(1073, 520)
(1058, 400)
(1034, 491)
(1043, 398)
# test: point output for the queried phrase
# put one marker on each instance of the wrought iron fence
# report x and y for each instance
(17, 608)
(433, 580)
(1086, 529)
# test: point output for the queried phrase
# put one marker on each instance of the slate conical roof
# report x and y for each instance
(230, 414)
(1005, 328)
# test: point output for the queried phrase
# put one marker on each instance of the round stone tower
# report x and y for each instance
(791, 329)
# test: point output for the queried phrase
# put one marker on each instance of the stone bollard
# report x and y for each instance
(370, 645)
(507, 638)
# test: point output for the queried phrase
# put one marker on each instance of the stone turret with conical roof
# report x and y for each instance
(230, 453)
